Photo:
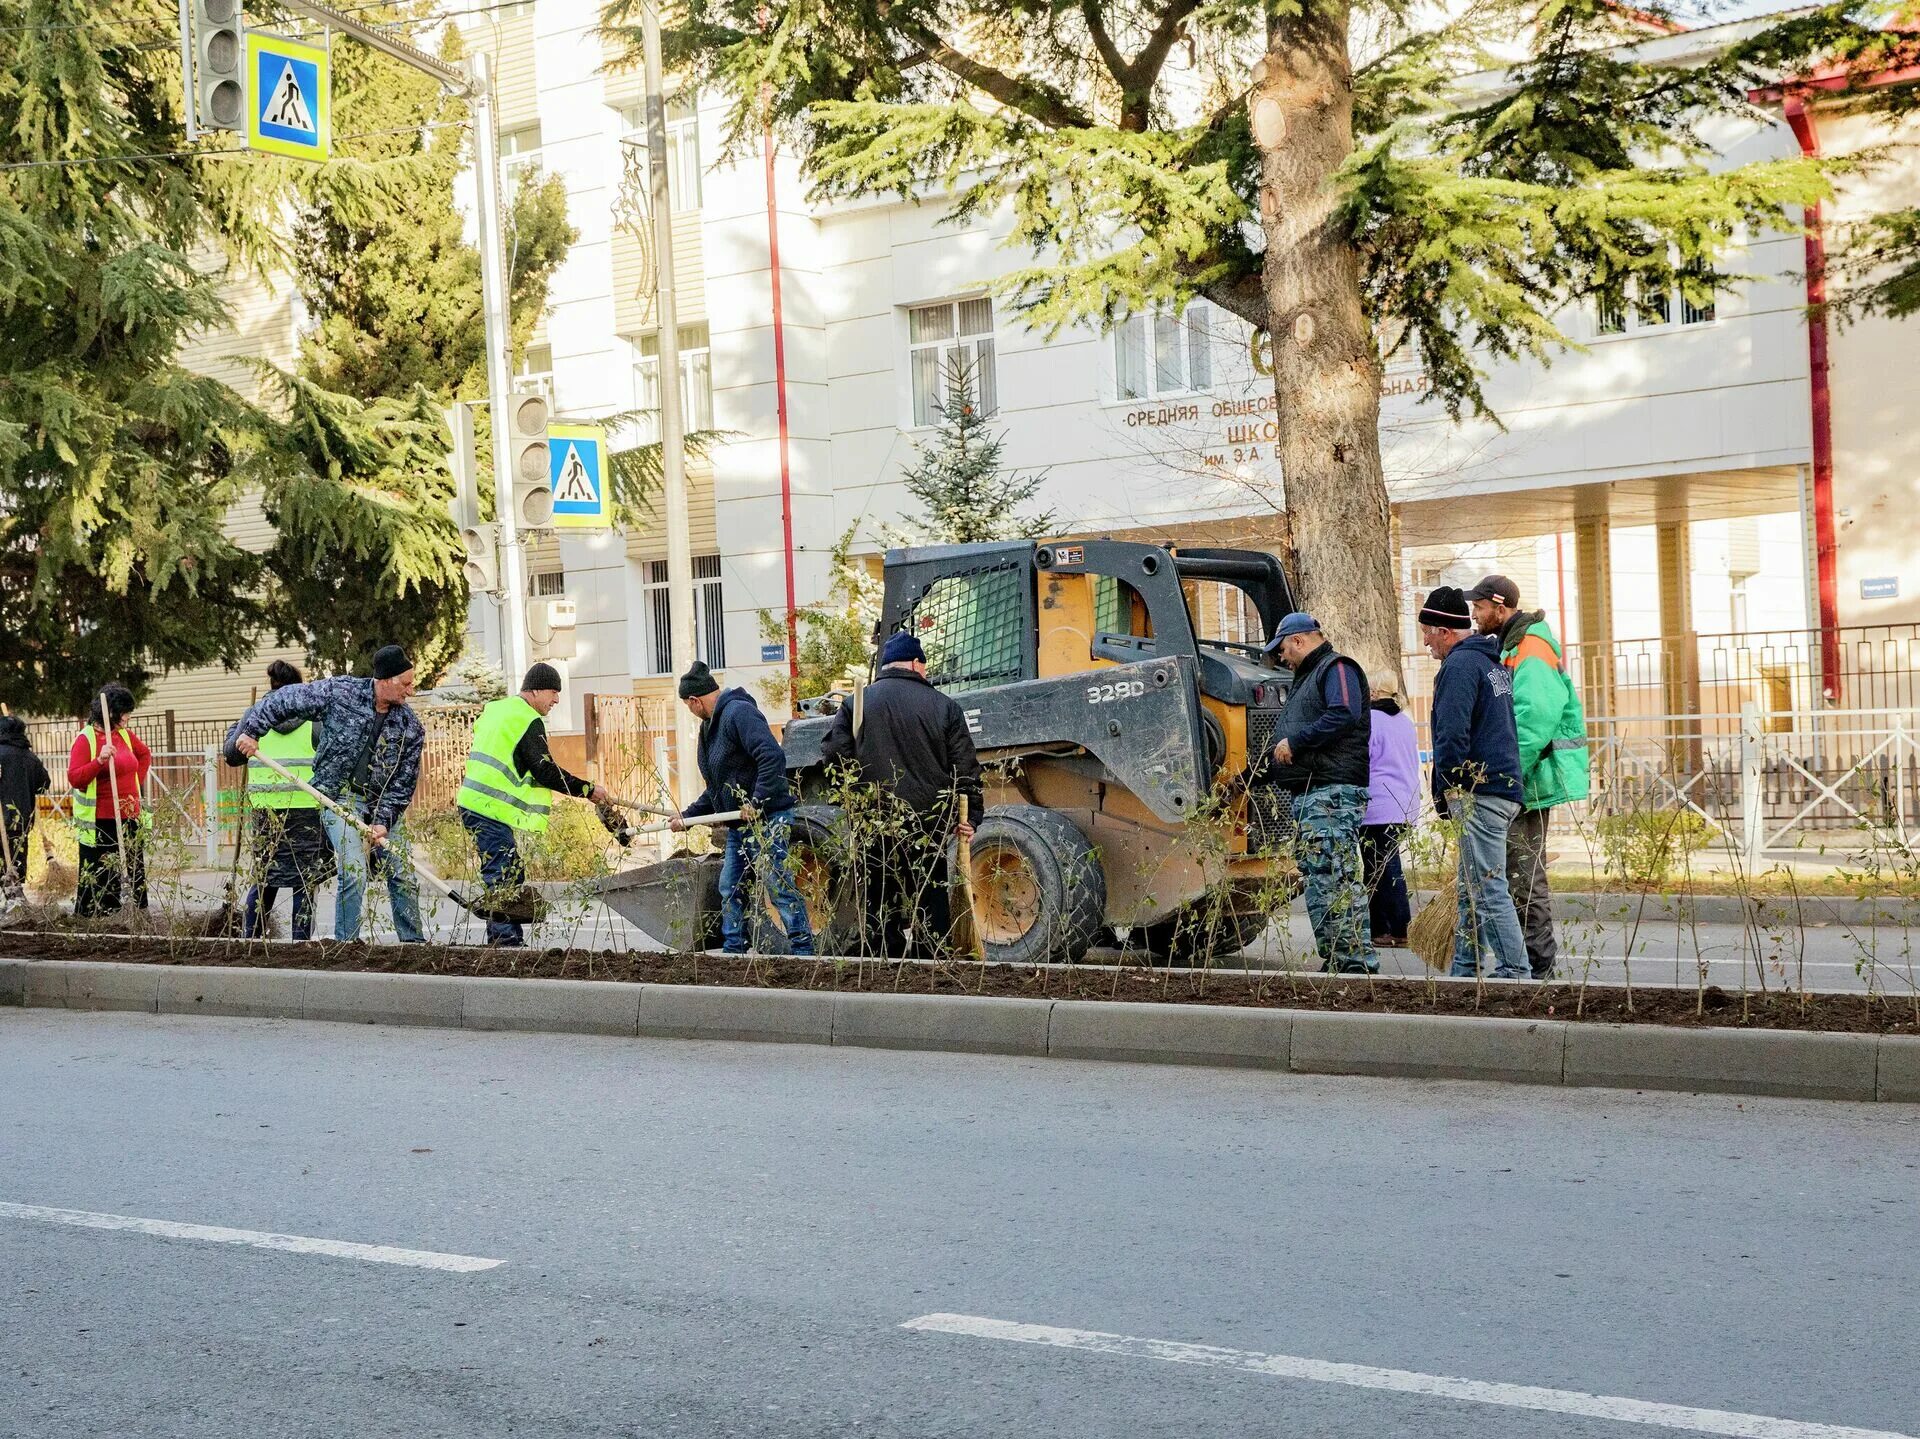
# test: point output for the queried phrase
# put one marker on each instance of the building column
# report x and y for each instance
(1679, 653)
(1593, 567)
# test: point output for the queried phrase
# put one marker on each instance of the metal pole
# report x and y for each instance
(190, 98)
(211, 803)
(673, 459)
(499, 339)
(385, 41)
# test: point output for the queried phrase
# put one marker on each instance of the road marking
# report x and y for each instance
(258, 1239)
(1398, 1381)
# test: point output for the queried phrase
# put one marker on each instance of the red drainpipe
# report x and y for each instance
(1825, 546)
(780, 405)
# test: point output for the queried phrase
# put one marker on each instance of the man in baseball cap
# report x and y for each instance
(1321, 758)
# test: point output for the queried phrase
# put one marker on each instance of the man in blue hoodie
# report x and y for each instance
(745, 769)
(1476, 780)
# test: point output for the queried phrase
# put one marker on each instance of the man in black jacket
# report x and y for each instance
(1321, 757)
(913, 746)
(745, 769)
(23, 779)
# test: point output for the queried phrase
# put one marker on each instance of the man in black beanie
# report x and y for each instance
(911, 743)
(367, 759)
(508, 787)
(745, 769)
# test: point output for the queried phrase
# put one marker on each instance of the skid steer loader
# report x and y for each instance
(1114, 740)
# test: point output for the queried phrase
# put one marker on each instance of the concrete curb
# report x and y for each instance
(1791, 1063)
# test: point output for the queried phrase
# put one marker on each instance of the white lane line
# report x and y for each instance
(1398, 1381)
(258, 1239)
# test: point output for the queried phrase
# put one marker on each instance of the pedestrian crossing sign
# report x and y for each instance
(289, 111)
(577, 470)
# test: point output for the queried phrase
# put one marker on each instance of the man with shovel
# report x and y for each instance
(367, 758)
(745, 769)
(507, 791)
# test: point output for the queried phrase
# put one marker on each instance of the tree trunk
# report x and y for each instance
(1326, 374)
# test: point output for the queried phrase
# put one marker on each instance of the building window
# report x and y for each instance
(535, 371)
(951, 343)
(522, 10)
(683, 146)
(1655, 312)
(1163, 353)
(519, 156)
(549, 584)
(709, 629)
(696, 382)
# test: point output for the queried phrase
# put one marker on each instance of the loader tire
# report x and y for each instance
(1040, 895)
(820, 857)
(1207, 929)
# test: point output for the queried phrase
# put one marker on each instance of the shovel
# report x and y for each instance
(520, 907)
(966, 926)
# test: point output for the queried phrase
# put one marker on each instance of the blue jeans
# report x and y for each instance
(1329, 854)
(1487, 924)
(500, 869)
(350, 852)
(759, 850)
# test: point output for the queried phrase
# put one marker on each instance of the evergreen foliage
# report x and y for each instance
(965, 493)
(117, 466)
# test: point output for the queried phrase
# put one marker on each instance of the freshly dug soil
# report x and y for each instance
(1771, 1009)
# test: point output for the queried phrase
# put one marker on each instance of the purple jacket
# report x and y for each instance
(1393, 753)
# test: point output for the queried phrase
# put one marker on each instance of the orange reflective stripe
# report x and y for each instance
(1532, 647)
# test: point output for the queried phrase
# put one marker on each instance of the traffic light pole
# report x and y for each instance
(493, 288)
(673, 438)
(475, 86)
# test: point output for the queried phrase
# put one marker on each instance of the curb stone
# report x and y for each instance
(1721, 1061)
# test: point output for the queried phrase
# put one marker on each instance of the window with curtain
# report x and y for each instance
(947, 343)
(696, 382)
(1163, 353)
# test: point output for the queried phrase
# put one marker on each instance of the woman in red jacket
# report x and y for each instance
(104, 767)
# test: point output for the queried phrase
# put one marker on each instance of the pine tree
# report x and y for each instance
(966, 495)
(1311, 167)
(366, 553)
(117, 466)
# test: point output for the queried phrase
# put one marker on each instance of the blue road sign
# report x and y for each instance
(577, 471)
(290, 109)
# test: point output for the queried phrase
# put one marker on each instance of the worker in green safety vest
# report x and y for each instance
(290, 845)
(508, 787)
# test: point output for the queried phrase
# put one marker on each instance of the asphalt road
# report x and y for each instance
(714, 1239)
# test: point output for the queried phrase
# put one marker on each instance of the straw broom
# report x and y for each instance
(1431, 934)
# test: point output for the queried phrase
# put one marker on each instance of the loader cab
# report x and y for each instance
(993, 614)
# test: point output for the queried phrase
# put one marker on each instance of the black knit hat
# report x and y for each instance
(698, 681)
(542, 676)
(390, 661)
(1446, 608)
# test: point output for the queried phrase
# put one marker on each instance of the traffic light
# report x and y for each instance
(463, 464)
(220, 82)
(482, 563)
(528, 413)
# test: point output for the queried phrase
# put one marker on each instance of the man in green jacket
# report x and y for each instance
(1553, 751)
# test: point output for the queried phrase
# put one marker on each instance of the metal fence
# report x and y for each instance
(1768, 782)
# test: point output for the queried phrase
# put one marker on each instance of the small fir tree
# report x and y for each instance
(966, 495)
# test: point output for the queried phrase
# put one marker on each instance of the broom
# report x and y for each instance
(1431, 934)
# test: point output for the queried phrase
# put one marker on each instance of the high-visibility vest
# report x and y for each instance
(294, 752)
(491, 785)
(85, 809)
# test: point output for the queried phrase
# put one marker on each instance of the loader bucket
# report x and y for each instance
(676, 902)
